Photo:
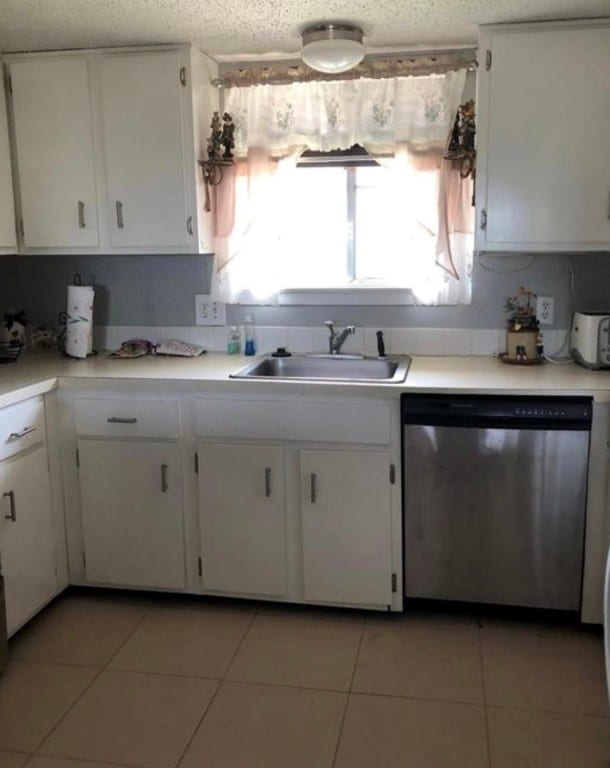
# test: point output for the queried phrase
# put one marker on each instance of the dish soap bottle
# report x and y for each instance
(233, 341)
(250, 348)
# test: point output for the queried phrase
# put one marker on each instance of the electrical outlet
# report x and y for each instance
(208, 311)
(545, 310)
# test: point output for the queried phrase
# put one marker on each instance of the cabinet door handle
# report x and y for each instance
(12, 515)
(313, 495)
(18, 435)
(608, 204)
(122, 420)
(119, 215)
(81, 214)
(268, 482)
(189, 225)
(164, 485)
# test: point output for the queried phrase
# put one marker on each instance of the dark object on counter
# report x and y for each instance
(9, 351)
(380, 344)
(10, 318)
(281, 352)
(13, 328)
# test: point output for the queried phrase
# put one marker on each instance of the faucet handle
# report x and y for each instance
(329, 323)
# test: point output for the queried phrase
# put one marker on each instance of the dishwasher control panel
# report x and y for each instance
(503, 411)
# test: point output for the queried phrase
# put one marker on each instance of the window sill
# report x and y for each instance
(363, 295)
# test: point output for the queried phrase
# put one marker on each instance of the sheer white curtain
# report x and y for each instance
(405, 121)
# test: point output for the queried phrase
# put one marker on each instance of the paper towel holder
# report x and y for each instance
(64, 317)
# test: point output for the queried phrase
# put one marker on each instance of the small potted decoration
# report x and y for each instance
(12, 330)
(523, 336)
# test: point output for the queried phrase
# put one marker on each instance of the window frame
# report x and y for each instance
(348, 159)
(363, 291)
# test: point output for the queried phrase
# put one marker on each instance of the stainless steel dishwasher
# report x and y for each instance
(494, 498)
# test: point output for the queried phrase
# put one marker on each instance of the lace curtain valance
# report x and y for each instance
(405, 122)
(414, 112)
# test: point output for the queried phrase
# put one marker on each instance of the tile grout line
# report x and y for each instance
(93, 680)
(218, 687)
(484, 691)
(349, 692)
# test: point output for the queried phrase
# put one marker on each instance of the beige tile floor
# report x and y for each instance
(146, 682)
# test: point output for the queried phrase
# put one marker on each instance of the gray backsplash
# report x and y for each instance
(159, 290)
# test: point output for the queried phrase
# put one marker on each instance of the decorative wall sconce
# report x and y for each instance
(220, 153)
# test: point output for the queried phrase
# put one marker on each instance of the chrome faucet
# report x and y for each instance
(336, 340)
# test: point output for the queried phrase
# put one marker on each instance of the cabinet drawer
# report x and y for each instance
(126, 418)
(21, 426)
(309, 421)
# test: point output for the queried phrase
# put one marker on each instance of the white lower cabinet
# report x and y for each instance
(265, 510)
(27, 551)
(242, 510)
(346, 523)
(342, 523)
(132, 513)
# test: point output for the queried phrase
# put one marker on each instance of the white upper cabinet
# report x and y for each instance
(107, 148)
(543, 178)
(8, 237)
(142, 109)
(54, 149)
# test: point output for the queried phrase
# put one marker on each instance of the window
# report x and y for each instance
(343, 228)
(349, 221)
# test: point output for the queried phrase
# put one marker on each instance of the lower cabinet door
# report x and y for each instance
(132, 513)
(346, 522)
(242, 518)
(27, 549)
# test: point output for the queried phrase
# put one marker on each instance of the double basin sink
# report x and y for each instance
(350, 368)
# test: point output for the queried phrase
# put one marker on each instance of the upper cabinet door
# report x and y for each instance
(54, 143)
(544, 144)
(8, 238)
(142, 110)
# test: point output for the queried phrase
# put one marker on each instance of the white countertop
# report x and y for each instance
(37, 373)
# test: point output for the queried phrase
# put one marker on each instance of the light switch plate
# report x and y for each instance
(208, 311)
(545, 310)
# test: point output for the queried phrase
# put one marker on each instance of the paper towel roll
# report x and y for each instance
(79, 323)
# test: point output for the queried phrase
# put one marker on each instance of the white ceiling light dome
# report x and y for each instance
(332, 48)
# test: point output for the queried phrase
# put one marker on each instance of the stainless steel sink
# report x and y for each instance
(328, 368)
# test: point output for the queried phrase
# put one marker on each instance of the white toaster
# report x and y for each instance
(590, 339)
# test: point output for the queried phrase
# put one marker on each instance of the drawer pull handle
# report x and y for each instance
(164, 485)
(314, 488)
(12, 515)
(268, 482)
(81, 214)
(18, 435)
(122, 420)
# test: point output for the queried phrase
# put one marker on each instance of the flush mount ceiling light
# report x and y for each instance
(332, 48)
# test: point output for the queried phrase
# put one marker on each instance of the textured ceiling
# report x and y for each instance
(254, 27)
